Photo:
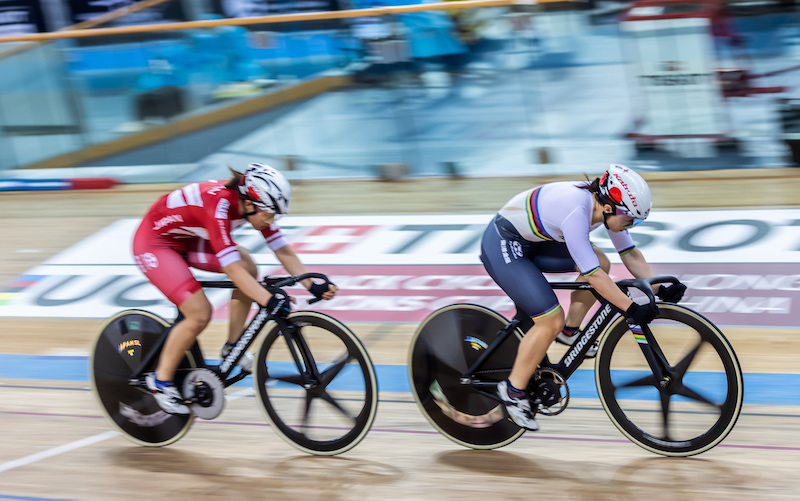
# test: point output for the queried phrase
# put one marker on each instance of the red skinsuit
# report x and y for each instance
(191, 227)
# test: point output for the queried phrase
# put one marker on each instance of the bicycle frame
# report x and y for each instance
(248, 335)
(573, 358)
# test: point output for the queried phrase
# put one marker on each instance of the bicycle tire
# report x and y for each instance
(689, 395)
(349, 386)
(117, 351)
(444, 346)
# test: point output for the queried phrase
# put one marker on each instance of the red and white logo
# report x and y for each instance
(146, 262)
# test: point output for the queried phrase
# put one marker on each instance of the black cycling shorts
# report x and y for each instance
(517, 266)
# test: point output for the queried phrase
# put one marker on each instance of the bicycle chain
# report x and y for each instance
(490, 371)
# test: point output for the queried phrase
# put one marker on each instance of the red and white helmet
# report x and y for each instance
(267, 188)
(627, 191)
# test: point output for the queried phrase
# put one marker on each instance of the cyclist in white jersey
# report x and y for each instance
(546, 230)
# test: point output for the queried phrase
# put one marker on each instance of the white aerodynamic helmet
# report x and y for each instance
(267, 188)
(627, 191)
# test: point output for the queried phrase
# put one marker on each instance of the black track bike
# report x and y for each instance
(313, 377)
(673, 387)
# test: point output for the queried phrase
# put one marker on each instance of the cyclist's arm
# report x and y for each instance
(606, 287)
(291, 263)
(246, 283)
(575, 228)
(284, 252)
(635, 263)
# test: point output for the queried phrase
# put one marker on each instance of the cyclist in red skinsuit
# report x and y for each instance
(191, 227)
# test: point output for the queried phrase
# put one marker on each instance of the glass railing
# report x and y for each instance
(488, 90)
(39, 118)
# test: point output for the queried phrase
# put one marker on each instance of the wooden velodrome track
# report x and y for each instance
(55, 444)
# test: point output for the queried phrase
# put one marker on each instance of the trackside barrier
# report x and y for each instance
(83, 183)
(275, 18)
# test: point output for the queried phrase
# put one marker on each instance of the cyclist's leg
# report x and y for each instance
(239, 309)
(241, 303)
(164, 265)
(196, 310)
(510, 263)
(515, 266)
(202, 257)
(533, 346)
(197, 313)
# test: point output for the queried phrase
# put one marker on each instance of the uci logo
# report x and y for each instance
(516, 249)
(475, 343)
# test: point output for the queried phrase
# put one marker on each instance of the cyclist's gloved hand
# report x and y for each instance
(318, 289)
(671, 293)
(279, 305)
(642, 313)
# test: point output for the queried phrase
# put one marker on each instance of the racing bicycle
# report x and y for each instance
(673, 387)
(313, 378)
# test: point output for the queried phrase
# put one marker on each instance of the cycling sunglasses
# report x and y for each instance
(633, 222)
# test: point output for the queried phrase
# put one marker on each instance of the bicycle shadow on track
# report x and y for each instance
(228, 478)
(682, 478)
(653, 478)
(499, 463)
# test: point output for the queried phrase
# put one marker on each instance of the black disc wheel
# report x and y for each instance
(326, 403)
(445, 345)
(119, 349)
(675, 388)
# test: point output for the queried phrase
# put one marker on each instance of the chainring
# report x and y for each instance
(548, 389)
(206, 393)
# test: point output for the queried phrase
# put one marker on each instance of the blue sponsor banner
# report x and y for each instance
(35, 184)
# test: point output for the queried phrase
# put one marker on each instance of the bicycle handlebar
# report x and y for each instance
(288, 281)
(278, 282)
(643, 284)
(270, 282)
(646, 284)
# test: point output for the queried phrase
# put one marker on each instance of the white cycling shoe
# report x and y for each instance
(246, 362)
(519, 409)
(570, 340)
(167, 397)
(567, 340)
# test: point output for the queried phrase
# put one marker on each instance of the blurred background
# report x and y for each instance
(403, 126)
(509, 88)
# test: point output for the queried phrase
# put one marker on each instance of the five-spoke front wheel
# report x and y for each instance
(317, 386)
(675, 387)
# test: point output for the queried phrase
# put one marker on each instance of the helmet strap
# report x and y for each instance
(602, 200)
(245, 215)
(605, 219)
(606, 215)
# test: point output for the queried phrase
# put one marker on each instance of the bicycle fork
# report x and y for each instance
(307, 367)
(652, 353)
